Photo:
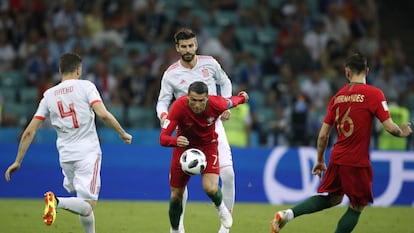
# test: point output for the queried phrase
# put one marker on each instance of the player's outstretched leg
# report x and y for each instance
(49, 214)
(228, 190)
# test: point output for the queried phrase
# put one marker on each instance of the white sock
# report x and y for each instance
(228, 187)
(74, 205)
(222, 207)
(289, 214)
(184, 203)
(88, 223)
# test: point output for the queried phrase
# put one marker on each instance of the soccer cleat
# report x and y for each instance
(278, 221)
(225, 216)
(49, 214)
(223, 229)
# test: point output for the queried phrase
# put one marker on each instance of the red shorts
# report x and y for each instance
(178, 178)
(354, 182)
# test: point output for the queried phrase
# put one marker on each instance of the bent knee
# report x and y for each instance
(177, 194)
(336, 199)
(92, 203)
(210, 190)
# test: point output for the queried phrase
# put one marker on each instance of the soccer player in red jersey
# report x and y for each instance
(194, 116)
(351, 112)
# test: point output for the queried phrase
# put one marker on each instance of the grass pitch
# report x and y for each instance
(24, 215)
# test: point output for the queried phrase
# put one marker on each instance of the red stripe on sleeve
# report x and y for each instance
(95, 101)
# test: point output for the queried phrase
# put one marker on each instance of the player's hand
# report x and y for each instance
(246, 96)
(162, 120)
(182, 141)
(319, 169)
(225, 115)
(12, 168)
(406, 129)
(126, 137)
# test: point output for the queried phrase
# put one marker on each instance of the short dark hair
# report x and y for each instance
(198, 87)
(69, 62)
(357, 62)
(183, 34)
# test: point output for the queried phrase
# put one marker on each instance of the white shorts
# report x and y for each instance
(225, 157)
(83, 177)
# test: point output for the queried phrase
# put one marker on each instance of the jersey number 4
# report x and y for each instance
(70, 113)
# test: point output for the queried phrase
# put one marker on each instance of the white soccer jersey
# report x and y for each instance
(68, 105)
(177, 79)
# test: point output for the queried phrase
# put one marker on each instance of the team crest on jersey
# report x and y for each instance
(210, 121)
(205, 72)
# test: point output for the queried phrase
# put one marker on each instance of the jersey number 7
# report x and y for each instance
(70, 113)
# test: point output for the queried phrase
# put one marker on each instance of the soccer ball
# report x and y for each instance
(193, 161)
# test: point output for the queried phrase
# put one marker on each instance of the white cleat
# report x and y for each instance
(223, 229)
(225, 216)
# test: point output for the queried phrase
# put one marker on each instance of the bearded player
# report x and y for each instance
(175, 83)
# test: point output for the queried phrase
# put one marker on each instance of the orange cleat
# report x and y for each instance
(49, 214)
(278, 221)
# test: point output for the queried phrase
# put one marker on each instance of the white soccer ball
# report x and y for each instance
(193, 161)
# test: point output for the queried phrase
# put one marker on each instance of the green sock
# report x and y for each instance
(348, 221)
(176, 208)
(311, 205)
(216, 197)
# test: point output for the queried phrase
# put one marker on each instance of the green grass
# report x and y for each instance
(24, 215)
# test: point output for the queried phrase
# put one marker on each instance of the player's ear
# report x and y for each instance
(195, 44)
(79, 70)
(347, 72)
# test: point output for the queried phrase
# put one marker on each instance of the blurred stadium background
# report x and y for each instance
(278, 50)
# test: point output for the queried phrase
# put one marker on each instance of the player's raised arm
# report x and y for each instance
(241, 98)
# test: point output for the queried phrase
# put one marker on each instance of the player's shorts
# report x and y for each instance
(355, 182)
(83, 177)
(225, 156)
(178, 178)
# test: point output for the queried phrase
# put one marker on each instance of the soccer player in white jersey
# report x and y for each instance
(71, 106)
(175, 83)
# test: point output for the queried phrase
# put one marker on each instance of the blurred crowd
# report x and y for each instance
(288, 54)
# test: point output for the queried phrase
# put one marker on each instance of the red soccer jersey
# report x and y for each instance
(352, 111)
(199, 129)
